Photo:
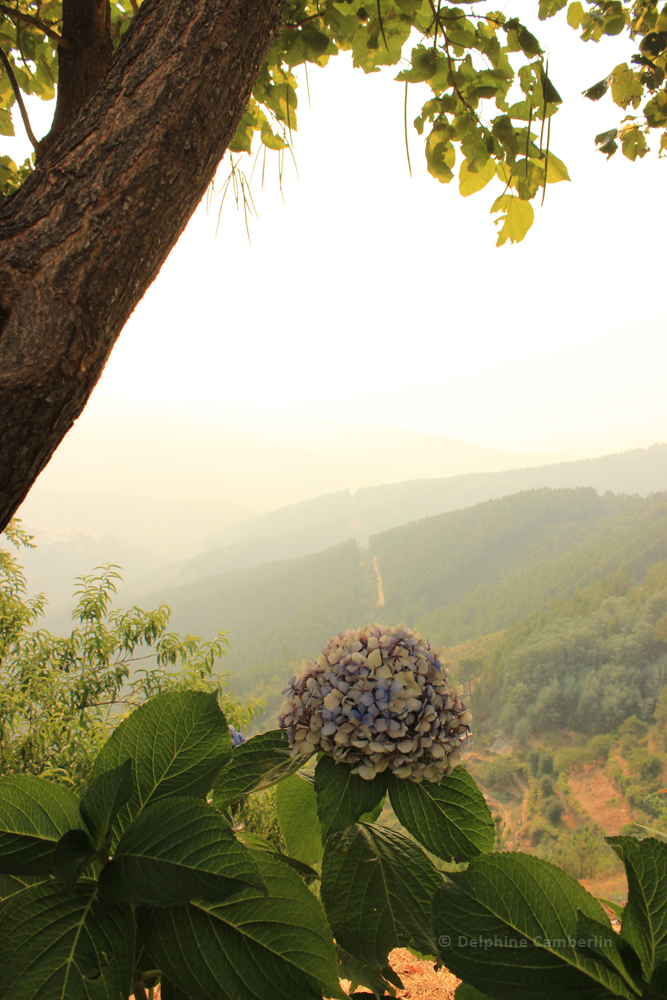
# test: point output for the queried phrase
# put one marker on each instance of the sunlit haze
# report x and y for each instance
(365, 296)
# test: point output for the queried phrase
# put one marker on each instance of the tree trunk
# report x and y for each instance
(86, 235)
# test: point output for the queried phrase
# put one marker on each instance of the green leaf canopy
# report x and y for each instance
(451, 819)
(259, 763)
(34, 815)
(377, 889)
(177, 849)
(61, 945)
(251, 948)
(509, 927)
(179, 742)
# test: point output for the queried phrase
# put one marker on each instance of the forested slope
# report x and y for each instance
(475, 571)
(456, 576)
(313, 525)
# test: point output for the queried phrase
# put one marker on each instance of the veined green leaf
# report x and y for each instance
(593, 942)
(644, 923)
(251, 947)
(343, 797)
(520, 914)
(104, 797)
(12, 886)
(178, 741)
(177, 849)
(377, 888)
(297, 815)
(259, 763)
(72, 855)
(256, 843)
(34, 814)
(61, 945)
(374, 815)
(451, 819)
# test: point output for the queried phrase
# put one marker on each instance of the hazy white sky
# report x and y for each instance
(368, 295)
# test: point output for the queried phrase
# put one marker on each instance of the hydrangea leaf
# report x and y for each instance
(297, 814)
(72, 855)
(257, 843)
(451, 819)
(258, 763)
(250, 947)
(60, 944)
(177, 849)
(374, 814)
(34, 815)
(464, 991)
(359, 974)
(377, 888)
(520, 914)
(644, 924)
(104, 797)
(169, 991)
(179, 742)
(14, 886)
(343, 797)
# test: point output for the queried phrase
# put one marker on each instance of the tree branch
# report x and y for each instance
(19, 99)
(451, 77)
(36, 21)
(299, 24)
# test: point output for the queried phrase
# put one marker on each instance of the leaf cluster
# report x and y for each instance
(142, 879)
(640, 85)
(61, 697)
(464, 57)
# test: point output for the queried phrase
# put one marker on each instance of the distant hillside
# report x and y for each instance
(471, 572)
(187, 452)
(314, 525)
(456, 576)
(276, 614)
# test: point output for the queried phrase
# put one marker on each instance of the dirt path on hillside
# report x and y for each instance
(380, 590)
(600, 798)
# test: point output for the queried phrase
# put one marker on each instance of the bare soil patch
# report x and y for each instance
(600, 798)
(420, 980)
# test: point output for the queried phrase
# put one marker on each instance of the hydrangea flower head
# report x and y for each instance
(237, 737)
(378, 698)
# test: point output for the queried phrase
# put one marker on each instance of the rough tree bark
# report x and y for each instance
(83, 60)
(86, 235)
